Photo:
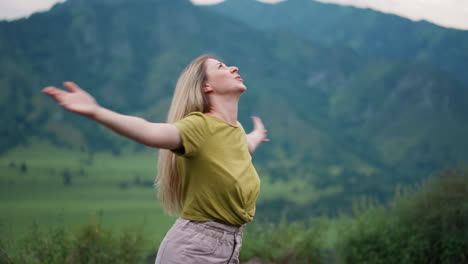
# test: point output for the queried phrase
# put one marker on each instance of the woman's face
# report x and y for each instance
(222, 79)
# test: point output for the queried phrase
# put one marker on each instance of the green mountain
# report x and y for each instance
(342, 125)
(368, 32)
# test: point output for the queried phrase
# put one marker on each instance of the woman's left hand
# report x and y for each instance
(258, 134)
(259, 129)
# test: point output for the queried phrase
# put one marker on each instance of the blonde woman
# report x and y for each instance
(205, 173)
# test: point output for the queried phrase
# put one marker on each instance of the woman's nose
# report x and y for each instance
(234, 69)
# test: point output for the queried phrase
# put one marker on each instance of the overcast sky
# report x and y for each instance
(448, 13)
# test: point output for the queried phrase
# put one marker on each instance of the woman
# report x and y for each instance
(205, 173)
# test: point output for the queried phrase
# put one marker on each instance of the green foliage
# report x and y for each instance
(347, 125)
(91, 244)
(4, 256)
(427, 226)
(96, 245)
(40, 195)
(285, 242)
(51, 246)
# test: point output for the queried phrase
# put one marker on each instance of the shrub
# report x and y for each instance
(4, 257)
(424, 225)
(91, 244)
(37, 247)
(284, 242)
(99, 246)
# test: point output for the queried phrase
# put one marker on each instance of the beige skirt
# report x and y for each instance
(198, 242)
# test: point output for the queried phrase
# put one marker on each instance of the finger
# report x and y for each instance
(50, 90)
(72, 87)
(257, 121)
(256, 118)
(54, 92)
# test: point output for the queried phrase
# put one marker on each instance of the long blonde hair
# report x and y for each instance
(188, 97)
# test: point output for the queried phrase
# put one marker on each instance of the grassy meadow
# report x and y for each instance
(66, 206)
(49, 186)
(46, 185)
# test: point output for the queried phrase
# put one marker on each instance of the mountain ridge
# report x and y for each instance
(129, 56)
(367, 31)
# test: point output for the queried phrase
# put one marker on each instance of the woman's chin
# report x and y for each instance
(243, 88)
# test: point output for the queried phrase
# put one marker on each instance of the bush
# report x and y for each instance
(426, 226)
(96, 245)
(4, 258)
(37, 247)
(90, 245)
(284, 242)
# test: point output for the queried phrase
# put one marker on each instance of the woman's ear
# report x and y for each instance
(207, 88)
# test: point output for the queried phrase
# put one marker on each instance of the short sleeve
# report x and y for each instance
(241, 127)
(193, 131)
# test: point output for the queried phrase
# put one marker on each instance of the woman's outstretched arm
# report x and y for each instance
(76, 100)
(257, 136)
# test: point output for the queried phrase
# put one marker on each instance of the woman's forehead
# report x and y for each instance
(211, 62)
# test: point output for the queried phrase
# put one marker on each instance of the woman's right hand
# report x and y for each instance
(74, 100)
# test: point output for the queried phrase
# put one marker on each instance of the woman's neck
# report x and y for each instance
(224, 109)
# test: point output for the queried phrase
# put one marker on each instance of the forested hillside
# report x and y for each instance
(343, 123)
(368, 32)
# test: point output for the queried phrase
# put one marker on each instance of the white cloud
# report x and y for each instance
(448, 13)
(206, 2)
(13, 9)
(271, 1)
(211, 2)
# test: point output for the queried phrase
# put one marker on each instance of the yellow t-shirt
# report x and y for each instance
(219, 181)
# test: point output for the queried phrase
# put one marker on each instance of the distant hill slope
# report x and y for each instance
(346, 124)
(368, 32)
